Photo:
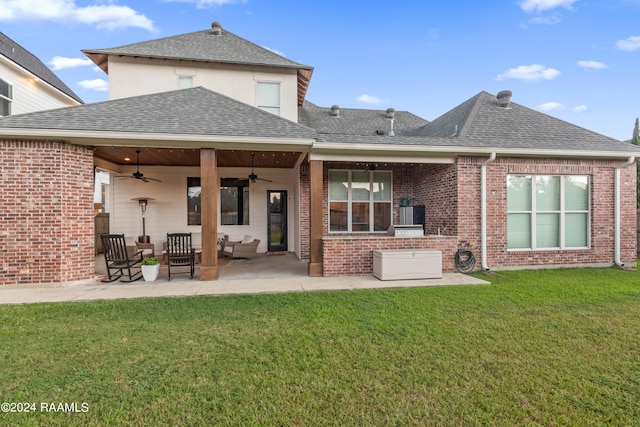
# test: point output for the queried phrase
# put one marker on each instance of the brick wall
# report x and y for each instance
(46, 213)
(451, 194)
(601, 173)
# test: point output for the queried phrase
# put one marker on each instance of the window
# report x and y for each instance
(6, 96)
(359, 201)
(185, 82)
(234, 201)
(193, 201)
(268, 97)
(548, 212)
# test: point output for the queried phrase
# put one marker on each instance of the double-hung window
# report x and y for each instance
(268, 97)
(548, 211)
(6, 97)
(359, 201)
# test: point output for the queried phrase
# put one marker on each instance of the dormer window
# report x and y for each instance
(6, 97)
(268, 97)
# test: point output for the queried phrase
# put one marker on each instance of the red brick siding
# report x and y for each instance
(46, 213)
(304, 211)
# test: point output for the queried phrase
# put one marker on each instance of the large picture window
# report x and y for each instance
(359, 201)
(6, 97)
(548, 212)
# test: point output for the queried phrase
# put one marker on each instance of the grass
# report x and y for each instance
(557, 347)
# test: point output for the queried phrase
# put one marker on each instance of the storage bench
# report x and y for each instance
(404, 264)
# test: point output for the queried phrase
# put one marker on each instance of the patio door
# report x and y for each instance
(277, 221)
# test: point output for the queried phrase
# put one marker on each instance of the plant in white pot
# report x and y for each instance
(150, 269)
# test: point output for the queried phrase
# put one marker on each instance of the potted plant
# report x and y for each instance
(150, 269)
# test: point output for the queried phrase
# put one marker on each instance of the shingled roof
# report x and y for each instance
(213, 45)
(25, 59)
(352, 121)
(480, 122)
(195, 111)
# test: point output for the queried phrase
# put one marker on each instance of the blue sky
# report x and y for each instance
(578, 60)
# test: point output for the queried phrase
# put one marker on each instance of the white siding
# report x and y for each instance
(132, 78)
(31, 94)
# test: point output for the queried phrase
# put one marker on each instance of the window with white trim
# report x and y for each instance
(359, 201)
(185, 82)
(268, 97)
(6, 97)
(548, 211)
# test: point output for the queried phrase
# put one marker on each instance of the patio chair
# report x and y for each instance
(180, 253)
(121, 260)
(246, 248)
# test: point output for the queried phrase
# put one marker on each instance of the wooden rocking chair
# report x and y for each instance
(180, 253)
(119, 259)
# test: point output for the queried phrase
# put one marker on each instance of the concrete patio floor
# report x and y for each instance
(264, 274)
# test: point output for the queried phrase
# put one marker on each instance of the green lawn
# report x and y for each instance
(557, 347)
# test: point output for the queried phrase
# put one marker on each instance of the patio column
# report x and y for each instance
(209, 269)
(315, 218)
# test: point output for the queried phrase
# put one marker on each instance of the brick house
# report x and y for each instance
(223, 128)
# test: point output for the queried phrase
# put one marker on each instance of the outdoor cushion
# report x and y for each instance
(247, 239)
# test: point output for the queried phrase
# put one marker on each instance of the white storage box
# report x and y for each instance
(404, 264)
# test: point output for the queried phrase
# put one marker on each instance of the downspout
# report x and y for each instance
(617, 203)
(483, 209)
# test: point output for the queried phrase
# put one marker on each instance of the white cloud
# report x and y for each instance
(630, 43)
(368, 99)
(60, 62)
(102, 16)
(542, 5)
(530, 73)
(99, 85)
(546, 20)
(551, 106)
(594, 65)
(580, 109)
(202, 4)
(277, 52)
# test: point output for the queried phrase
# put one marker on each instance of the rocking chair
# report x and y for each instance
(180, 253)
(119, 259)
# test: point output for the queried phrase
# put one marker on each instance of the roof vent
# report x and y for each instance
(391, 113)
(504, 98)
(216, 29)
(335, 110)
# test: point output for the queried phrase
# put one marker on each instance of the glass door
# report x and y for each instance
(277, 221)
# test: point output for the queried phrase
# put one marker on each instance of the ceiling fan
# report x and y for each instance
(137, 174)
(252, 176)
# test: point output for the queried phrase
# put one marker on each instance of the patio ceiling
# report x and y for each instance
(191, 157)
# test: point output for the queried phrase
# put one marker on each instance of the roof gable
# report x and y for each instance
(25, 59)
(195, 111)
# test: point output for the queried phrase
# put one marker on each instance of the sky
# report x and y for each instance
(577, 60)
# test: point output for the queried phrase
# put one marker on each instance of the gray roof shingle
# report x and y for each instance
(195, 111)
(201, 46)
(25, 59)
(352, 121)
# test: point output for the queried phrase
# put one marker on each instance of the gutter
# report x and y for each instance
(617, 255)
(483, 209)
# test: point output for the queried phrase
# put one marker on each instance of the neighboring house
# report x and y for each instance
(27, 85)
(208, 110)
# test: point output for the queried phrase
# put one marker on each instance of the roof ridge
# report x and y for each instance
(462, 131)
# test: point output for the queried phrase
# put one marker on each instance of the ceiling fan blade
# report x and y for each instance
(263, 179)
